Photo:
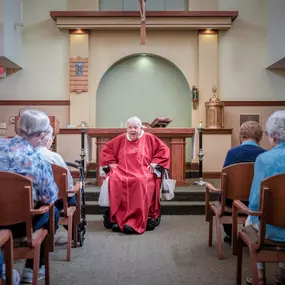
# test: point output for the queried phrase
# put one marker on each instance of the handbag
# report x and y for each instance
(104, 200)
(167, 187)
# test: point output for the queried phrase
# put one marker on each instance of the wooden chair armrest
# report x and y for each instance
(41, 210)
(75, 190)
(211, 188)
(241, 207)
(5, 235)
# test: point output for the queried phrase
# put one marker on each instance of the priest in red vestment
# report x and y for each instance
(135, 161)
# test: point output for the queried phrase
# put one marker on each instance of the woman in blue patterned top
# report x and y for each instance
(20, 155)
(268, 164)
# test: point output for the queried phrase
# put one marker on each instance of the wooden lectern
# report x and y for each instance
(175, 138)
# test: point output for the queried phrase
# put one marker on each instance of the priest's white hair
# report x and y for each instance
(275, 125)
(134, 120)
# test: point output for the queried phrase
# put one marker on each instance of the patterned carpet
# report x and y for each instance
(175, 253)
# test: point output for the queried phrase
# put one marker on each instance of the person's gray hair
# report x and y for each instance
(134, 120)
(275, 125)
(48, 136)
(32, 123)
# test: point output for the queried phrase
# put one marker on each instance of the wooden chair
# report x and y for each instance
(69, 216)
(271, 211)
(6, 242)
(16, 206)
(236, 182)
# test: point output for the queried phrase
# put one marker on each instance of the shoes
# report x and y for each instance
(28, 274)
(261, 281)
(228, 240)
(16, 276)
(129, 230)
(116, 228)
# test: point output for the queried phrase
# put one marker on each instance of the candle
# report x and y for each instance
(200, 124)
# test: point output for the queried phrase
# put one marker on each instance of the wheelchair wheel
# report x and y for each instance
(80, 238)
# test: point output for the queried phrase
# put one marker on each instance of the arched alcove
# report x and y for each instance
(146, 86)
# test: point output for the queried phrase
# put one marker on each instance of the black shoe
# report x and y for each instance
(228, 240)
(151, 224)
(116, 228)
(129, 230)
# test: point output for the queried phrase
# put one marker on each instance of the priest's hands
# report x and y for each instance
(113, 165)
(150, 169)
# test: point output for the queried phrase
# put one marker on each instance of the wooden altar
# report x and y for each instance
(175, 138)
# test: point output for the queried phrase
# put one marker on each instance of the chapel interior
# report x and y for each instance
(192, 70)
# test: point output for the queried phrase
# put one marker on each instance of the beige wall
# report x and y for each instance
(232, 120)
(106, 48)
(45, 56)
(61, 113)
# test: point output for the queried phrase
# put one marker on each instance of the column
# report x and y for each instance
(208, 68)
(79, 102)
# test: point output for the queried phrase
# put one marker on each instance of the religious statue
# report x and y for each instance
(214, 111)
(195, 97)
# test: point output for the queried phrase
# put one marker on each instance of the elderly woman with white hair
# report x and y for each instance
(134, 186)
(56, 158)
(20, 155)
(268, 164)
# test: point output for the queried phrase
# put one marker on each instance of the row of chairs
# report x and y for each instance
(16, 206)
(236, 183)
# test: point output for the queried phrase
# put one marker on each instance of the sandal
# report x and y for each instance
(261, 281)
(277, 279)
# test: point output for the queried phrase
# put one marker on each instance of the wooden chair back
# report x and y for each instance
(16, 202)
(60, 178)
(272, 203)
(236, 181)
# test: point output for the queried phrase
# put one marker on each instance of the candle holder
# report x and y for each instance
(201, 181)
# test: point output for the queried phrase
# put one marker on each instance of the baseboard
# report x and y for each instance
(189, 174)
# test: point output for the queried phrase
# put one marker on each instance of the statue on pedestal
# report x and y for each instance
(214, 111)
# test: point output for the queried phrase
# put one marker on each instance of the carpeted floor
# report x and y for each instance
(175, 253)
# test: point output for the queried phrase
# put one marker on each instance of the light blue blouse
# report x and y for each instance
(267, 164)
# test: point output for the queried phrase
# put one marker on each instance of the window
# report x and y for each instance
(151, 5)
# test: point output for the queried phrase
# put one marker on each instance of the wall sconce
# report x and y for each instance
(195, 97)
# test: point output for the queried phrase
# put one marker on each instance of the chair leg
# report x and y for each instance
(210, 242)
(36, 264)
(254, 270)
(219, 238)
(75, 232)
(47, 276)
(69, 238)
(239, 253)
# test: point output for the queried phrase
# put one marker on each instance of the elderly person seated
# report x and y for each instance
(19, 155)
(55, 158)
(266, 165)
(250, 134)
(134, 186)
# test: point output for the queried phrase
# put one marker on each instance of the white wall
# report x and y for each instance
(12, 35)
(45, 56)
(243, 55)
(276, 30)
(1, 27)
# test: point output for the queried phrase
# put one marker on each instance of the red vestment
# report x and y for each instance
(134, 192)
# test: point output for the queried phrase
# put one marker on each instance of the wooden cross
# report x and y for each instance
(142, 5)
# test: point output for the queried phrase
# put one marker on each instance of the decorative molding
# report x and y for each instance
(254, 103)
(78, 75)
(34, 102)
(149, 14)
(129, 20)
(217, 131)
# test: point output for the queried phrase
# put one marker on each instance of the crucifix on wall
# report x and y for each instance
(142, 5)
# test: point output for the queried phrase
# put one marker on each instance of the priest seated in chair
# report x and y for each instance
(134, 162)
